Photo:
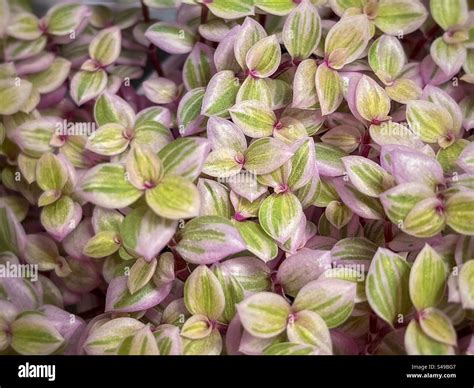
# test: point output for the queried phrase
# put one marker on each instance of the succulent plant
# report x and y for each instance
(253, 177)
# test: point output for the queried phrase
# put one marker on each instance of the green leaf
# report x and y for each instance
(111, 109)
(304, 92)
(302, 30)
(332, 299)
(220, 94)
(234, 293)
(144, 168)
(371, 100)
(328, 88)
(265, 155)
(189, 111)
(174, 197)
(140, 274)
(387, 58)
(346, 40)
(87, 85)
(289, 349)
(214, 199)
(12, 234)
(257, 89)
(51, 174)
(263, 58)
(338, 214)
(198, 67)
(231, 9)
(418, 343)
(307, 327)
(63, 19)
(400, 16)
(367, 176)
(106, 338)
(103, 244)
(196, 327)
(254, 118)
(249, 33)
(404, 91)
(171, 37)
(53, 77)
(425, 219)
(33, 334)
(449, 57)
(329, 159)
(427, 279)
(207, 346)
(387, 286)
(106, 185)
(257, 241)
(203, 293)
(24, 26)
(466, 282)
(264, 315)
(437, 326)
(280, 215)
(449, 14)
(141, 343)
(459, 208)
(14, 93)
(61, 217)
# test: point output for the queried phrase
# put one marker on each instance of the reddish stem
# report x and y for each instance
(153, 57)
(204, 15)
(145, 12)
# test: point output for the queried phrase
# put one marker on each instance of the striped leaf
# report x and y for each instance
(19, 49)
(223, 163)
(185, 157)
(24, 26)
(265, 155)
(103, 244)
(207, 346)
(387, 286)
(302, 164)
(427, 279)
(302, 30)
(371, 100)
(139, 225)
(328, 88)
(234, 293)
(220, 94)
(254, 118)
(466, 289)
(34, 334)
(249, 34)
(143, 167)
(437, 325)
(403, 91)
(231, 9)
(450, 14)
(196, 327)
(13, 95)
(120, 300)
(418, 343)
(425, 219)
(168, 339)
(440, 97)
(447, 157)
(174, 197)
(332, 299)
(112, 109)
(189, 116)
(214, 199)
(33, 137)
(61, 217)
(275, 7)
(63, 19)
(304, 92)
(106, 45)
(173, 38)
(51, 174)
(429, 121)
(52, 78)
(346, 40)
(329, 159)
(460, 207)
(400, 16)
(279, 215)
(160, 90)
(203, 293)
(263, 58)
(87, 85)
(257, 241)
(367, 176)
(108, 140)
(353, 251)
(250, 272)
(401, 199)
(141, 343)
(257, 89)
(280, 92)
(338, 214)
(307, 327)
(289, 349)
(387, 58)
(198, 67)
(449, 57)
(225, 134)
(207, 239)
(106, 338)
(106, 185)
(12, 234)
(290, 131)
(264, 315)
